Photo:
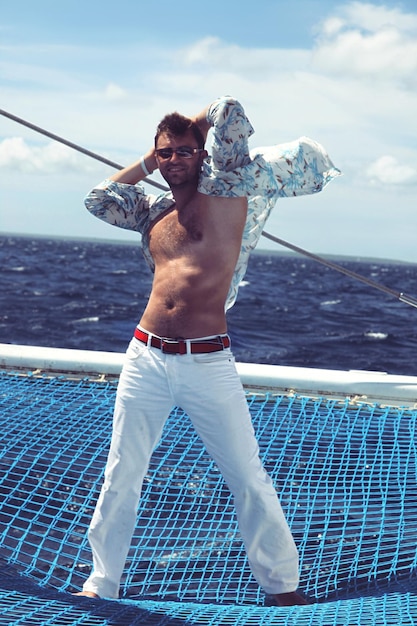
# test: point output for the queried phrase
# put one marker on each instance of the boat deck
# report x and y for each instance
(345, 469)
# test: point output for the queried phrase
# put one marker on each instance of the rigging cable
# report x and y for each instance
(399, 295)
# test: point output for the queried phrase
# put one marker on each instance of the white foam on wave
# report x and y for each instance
(330, 302)
(374, 335)
(84, 320)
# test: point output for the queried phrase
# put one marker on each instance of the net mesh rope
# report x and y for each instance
(345, 472)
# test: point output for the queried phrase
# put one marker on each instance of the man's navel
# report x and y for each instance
(169, 304)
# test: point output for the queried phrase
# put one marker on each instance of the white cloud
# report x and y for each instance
(374, 17)
(389, 171)
(17, 155)
(254, 63)
(114, 92)
(370, 42)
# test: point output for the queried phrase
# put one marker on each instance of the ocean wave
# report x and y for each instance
(289, 311)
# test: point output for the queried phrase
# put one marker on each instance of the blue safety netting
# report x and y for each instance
(345, 472)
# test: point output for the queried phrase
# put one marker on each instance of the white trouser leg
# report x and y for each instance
(220, 414)
(208, 388)
(142, 405)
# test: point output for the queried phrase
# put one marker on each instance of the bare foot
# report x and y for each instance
(87, 594)
(287, 599)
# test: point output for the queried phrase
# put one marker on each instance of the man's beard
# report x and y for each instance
(176, 181)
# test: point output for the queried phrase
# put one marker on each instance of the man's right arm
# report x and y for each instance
(201, 120)
(138, 170)
(119, 200)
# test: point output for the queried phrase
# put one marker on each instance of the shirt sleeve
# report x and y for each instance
(295, 168)
(231, 131)
(119, 204)
(224, 173)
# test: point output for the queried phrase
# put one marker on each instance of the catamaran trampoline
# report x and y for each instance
(340, 446)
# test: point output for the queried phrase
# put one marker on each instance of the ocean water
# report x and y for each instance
(291, 310)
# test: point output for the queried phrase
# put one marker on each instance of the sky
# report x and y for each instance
(102, 75)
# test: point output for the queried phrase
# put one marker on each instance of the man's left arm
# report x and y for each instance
(231, 132)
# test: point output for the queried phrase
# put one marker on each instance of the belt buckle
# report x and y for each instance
(173, 346)
(219, 342)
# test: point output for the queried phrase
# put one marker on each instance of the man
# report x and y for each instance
(197, 239)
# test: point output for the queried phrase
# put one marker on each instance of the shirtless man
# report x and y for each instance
(195, 246)
(180, 354)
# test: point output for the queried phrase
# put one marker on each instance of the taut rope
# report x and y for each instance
(399, 295)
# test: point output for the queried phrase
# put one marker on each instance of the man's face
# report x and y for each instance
(178, 170)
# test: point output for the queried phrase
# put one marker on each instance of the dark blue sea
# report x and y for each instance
(291, 310)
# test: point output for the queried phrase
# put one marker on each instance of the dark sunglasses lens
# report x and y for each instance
(186, 153)
(165, 153)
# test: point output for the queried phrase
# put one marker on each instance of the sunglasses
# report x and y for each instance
(184, 152)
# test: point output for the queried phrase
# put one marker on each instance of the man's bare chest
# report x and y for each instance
(174, 231)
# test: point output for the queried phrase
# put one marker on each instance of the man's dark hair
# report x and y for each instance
(177, 125)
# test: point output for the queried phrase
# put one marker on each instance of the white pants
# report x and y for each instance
(207, 387)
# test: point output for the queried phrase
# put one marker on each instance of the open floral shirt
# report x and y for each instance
(262, 175)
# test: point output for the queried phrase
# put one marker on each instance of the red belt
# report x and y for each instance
(179, 346)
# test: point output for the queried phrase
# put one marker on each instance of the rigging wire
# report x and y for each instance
(398, 295)
(343, 270)
(74, 146)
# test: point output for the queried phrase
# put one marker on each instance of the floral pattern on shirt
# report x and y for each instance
(262, 175)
